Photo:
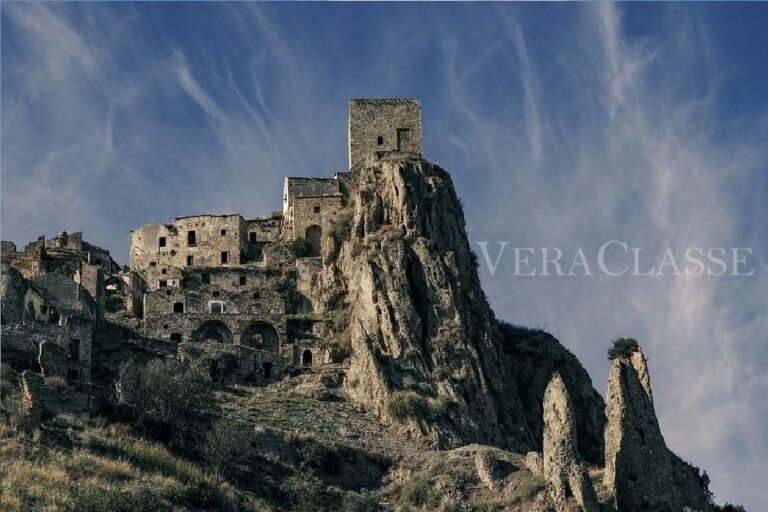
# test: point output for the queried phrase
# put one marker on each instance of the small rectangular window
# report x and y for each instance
(190, 261)
(316, 209)
(216, 307)
(223, 232)
(224, 257)
(403, 139)
(252, 238)
(74, 350)
(191, 238)
(163, 283)
(152, 263)
(178, 307)
(243, 280)
(257, 295)
(161, 241)
(164, 271)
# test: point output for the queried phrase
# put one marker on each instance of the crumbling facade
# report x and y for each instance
(47, 326)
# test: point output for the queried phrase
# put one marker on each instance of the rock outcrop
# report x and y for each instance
(417, 317)
(532, 356)
(561, 468)
(638, 470)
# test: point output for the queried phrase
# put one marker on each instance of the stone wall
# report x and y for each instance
(62, 351)
(218, 241)
(309, 202)
(29, 261)
(315, 212)
(263, 232)
(235, 298)
(91, 277)
(233, 363)
(374, 125)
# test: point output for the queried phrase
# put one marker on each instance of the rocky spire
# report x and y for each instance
(417, 317)
(638, 470)
(561, 468)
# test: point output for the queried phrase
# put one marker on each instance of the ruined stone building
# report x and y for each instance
(226, 283)
(55, 295)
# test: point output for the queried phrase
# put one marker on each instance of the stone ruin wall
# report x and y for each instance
(370, 119)
(213, 235)
(49, 347)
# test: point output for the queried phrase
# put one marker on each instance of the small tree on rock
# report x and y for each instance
(623, 348)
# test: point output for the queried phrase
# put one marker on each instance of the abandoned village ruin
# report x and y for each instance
(207, 283)
(366, 280)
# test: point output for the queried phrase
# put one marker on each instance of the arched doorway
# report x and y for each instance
(213, 331)
(313, 235)
(261, 335)
(306, 358)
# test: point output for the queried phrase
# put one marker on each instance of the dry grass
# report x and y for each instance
(100, 468)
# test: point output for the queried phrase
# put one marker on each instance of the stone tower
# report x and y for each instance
(379, 128)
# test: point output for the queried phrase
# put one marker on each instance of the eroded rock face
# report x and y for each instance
(417, 317)
(532, 356)
(638, 471)
(561, 467)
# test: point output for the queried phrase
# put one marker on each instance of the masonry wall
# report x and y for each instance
(252, 365)
(262, 233)
(235, 297)
(370, 119)
(213, 235)
(91, 277)
(51, 346)
(303, 214)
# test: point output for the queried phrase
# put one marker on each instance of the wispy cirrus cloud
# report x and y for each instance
(563, 126)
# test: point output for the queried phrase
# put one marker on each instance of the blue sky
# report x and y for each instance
(562, 126)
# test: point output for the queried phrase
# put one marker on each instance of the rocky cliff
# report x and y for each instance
(418, 323)
(428, 355)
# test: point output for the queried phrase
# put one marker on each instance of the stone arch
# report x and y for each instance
(306, 358)
(313, 235)
(261, 335)
(213, 330)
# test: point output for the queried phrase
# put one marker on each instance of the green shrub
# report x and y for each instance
(163, 391)
(224, 446)
(202, 494)
(300, 248)
(441, 405)
(365, 501)
(342, 227)
(623, 348)
(318, 457)
(406, 404)
(420, 493)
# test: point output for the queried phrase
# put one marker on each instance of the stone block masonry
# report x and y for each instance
(384, 127)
